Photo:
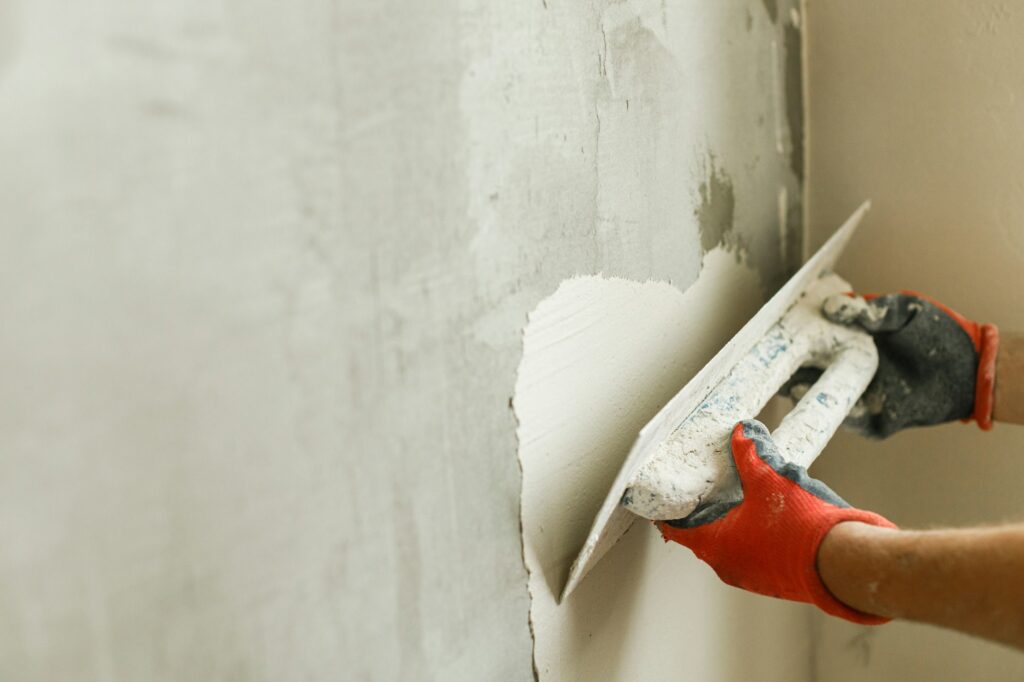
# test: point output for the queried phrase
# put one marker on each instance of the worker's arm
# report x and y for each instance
(791, 536)
(967, 580)
(1009, 393)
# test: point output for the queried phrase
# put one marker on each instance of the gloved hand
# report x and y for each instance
(934, 365)
(767, 542)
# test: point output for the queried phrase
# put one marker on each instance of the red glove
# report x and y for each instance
(767, 542)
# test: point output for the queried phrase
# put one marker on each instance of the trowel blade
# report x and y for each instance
(613, 520)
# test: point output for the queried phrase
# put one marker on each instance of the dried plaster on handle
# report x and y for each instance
(693, 465)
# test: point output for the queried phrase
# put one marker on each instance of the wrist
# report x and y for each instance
(824, 595)
(850, 563)
(1008, 403)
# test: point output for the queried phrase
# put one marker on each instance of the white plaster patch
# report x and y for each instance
(601, 356)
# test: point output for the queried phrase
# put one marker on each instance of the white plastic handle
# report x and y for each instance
(808, 427)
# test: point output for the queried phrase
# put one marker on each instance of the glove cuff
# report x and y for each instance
(985, 387)
(817, 591)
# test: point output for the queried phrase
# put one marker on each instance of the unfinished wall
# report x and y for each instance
(917, 105)
(600, 357)
(265, 272)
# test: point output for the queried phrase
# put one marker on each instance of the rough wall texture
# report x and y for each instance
(600, 356)
(265, 268)
(917, 106)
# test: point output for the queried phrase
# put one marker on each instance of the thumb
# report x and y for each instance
(701, 539)
(748, 437)
(874, 315)
(800, 382)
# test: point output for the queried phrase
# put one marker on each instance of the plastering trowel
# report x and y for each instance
(681, 458)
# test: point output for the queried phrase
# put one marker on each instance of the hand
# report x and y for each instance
(767, 542)
(934, 365)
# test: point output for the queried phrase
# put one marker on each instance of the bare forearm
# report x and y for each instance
(1009, 391)
(968, 580)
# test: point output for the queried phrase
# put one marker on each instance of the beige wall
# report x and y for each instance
(919, 106)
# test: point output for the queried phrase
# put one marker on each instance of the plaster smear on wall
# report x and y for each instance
(601, 356)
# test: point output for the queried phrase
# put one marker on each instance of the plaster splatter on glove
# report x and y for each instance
(934, 364)
(767, 541)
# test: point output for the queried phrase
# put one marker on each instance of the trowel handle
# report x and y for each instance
(694, 463)
(809, 426)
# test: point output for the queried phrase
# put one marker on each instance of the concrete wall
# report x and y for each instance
(917, 105)
(264, 273)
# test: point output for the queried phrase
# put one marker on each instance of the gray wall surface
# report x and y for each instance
(264, 270)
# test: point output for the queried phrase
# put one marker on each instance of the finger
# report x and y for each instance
(863, 417)
(882, 314)
(756, 454)
(859, 420)
(853, 310)
(752, 448)
(700, 539)
(800, 382)
(708, 513)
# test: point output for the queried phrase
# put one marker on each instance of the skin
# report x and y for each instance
(968, 580)
(1009, 392)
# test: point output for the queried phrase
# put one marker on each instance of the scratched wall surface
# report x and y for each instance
(265, 270)
(917, 105)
